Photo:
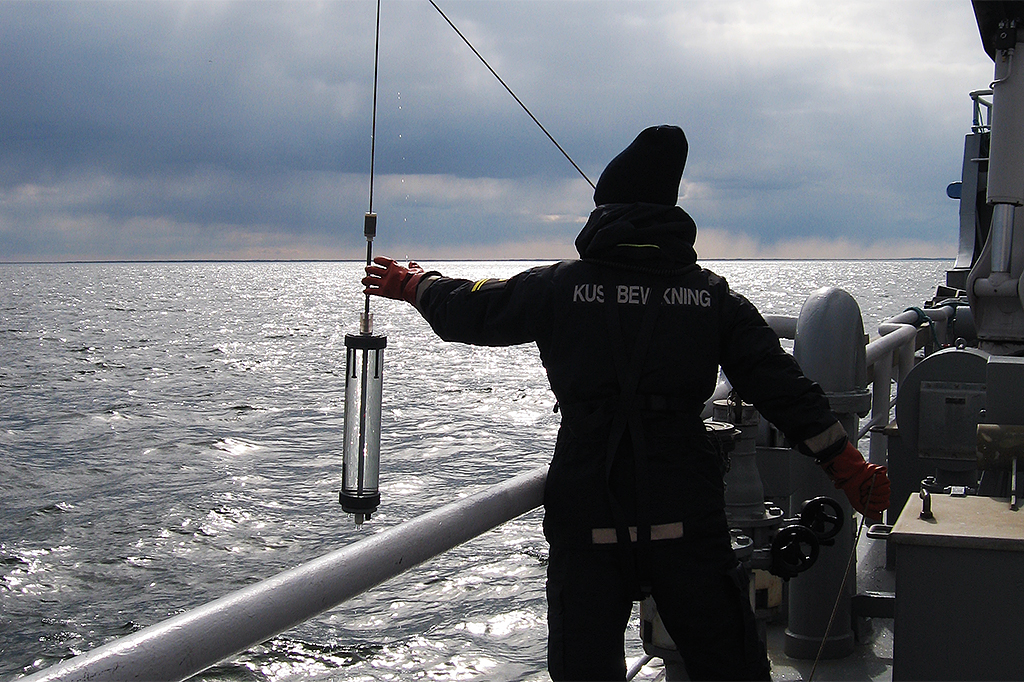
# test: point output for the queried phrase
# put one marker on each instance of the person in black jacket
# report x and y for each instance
(632, 336)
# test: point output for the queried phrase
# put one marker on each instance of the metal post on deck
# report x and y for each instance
(829, 346)
(184, 645)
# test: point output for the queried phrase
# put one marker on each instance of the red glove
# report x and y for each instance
(866, 485)
(385, 277)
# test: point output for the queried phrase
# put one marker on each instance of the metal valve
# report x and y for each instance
(824, 517)
(794, 550)
(795, 547)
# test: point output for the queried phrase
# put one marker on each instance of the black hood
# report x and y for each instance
(649, 236)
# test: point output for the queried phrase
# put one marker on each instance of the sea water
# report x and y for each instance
(170, 432)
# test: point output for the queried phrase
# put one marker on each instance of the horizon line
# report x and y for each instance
(438, 260)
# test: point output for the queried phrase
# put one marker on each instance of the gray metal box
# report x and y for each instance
(1005, 378)
(959, 591)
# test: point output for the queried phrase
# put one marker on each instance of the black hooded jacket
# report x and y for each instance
(632, 337)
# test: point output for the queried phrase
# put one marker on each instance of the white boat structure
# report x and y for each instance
(936, 593)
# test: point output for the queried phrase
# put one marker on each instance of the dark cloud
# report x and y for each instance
(159, 129)
(130, 86)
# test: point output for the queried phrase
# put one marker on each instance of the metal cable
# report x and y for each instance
(373, 155)
(514, 96)
(842, 586)
(373, 117)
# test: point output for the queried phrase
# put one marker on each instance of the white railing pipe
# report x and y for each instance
(184, 645)
(881, 392)
(898, 337)
(884, 346)
(784, 326)
(894, 348)
(898, 334)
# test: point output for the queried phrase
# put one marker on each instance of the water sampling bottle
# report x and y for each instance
(364, 374)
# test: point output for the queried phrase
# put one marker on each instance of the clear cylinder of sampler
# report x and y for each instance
(364, 369)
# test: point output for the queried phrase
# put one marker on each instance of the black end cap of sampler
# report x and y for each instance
(365, 341)
(351, 504)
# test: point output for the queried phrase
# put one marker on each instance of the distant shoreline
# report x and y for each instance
(440, 260)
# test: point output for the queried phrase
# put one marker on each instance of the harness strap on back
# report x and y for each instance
(627, 419)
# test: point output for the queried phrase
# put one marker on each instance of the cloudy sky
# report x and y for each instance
(203, 129)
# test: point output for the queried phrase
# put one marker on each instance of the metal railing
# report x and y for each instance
(982, 111)
(189, 643)
(889, 357)
(892, 356)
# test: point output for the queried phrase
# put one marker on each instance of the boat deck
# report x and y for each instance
(872, 655)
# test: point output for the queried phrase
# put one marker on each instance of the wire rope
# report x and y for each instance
(373, 116)
(371, 219)
(842, 585)
(514, 96)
